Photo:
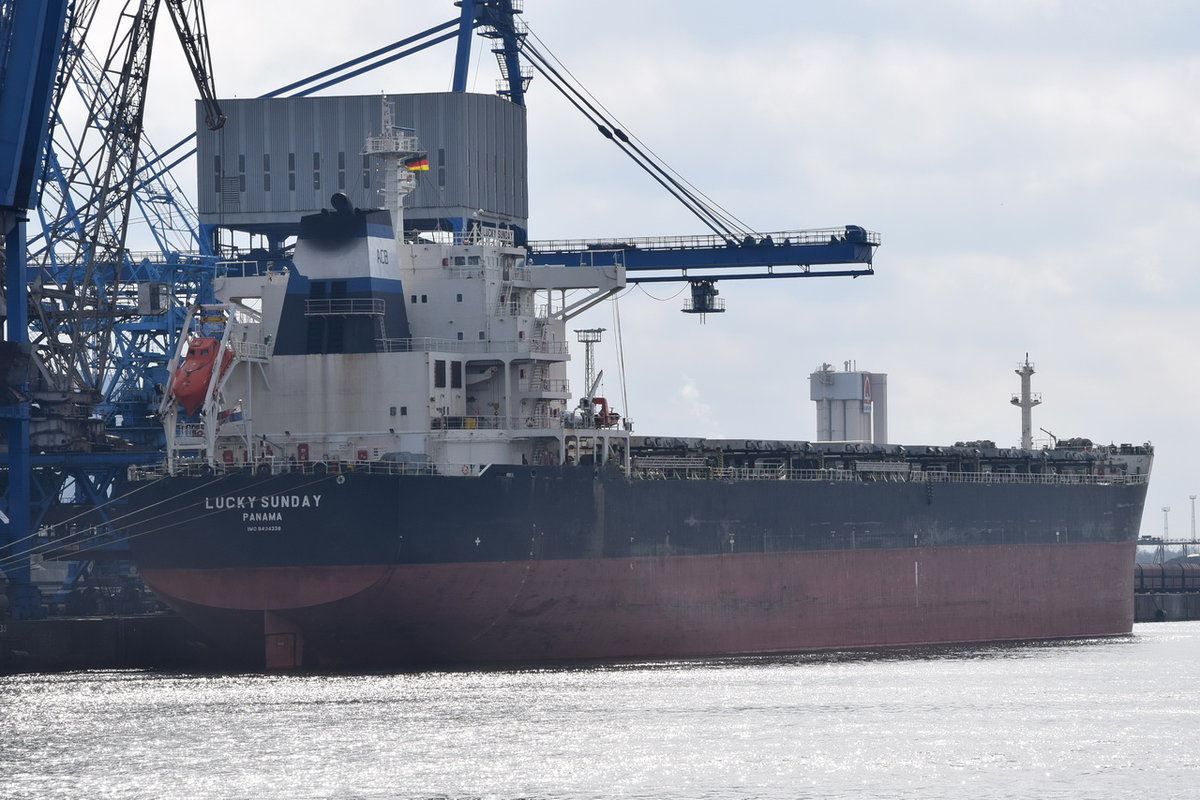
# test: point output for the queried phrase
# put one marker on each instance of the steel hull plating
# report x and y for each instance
(412, 615)
(527, 565)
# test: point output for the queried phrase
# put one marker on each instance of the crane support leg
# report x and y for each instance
(26, 601)
(462, 58)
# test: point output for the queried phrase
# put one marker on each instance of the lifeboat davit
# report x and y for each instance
(192, 377)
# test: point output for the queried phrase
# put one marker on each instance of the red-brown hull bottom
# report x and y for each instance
(682, 606)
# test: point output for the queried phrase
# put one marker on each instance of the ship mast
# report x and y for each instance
(1026, 401)
(395, 147)
(590, 338)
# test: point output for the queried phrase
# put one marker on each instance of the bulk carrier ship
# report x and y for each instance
(374, 460)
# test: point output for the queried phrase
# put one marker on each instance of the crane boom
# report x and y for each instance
(188, 17)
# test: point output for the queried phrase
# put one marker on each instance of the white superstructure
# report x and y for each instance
(444, 350)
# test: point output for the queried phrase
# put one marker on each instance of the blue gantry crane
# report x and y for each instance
(68, 288)
(30, 39)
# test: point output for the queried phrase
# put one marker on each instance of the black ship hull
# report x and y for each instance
(526, 564)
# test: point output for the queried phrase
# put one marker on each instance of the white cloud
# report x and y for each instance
(696, 414)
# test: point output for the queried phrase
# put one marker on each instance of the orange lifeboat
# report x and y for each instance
(605, 418)
(191, 379)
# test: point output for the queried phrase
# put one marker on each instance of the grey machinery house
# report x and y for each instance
(278, 159)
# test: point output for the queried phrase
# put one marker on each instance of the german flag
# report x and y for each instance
(417, 163)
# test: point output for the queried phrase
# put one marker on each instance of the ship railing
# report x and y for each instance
(483, 235)
(664, 467)
(775, 473)
(391, 143)
(556, 385)
(697, 467)
(494, 422)
(344, 307)
(660, 468)
(1024, 477)
(694, 467)
(276, 466)
(486, 235)
(431, 345)
(245, 269)
(189, 431)
(249, 351)
(517, 309)
(670, 462)
(199, 468)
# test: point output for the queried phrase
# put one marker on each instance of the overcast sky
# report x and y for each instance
(1033, 167)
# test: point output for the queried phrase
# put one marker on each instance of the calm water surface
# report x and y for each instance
(1079, 719)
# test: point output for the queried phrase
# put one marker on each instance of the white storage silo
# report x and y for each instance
(851, 405)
